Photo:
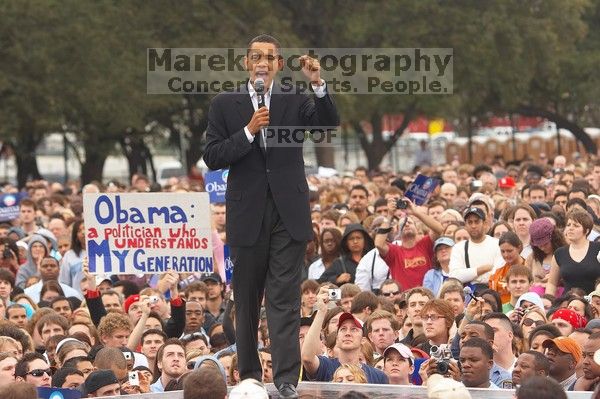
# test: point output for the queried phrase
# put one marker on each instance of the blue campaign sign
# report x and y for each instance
(228, 264)
(58, 393)
(420, 190)
(9, 206)
(216, 185)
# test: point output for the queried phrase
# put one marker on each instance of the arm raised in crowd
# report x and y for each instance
(435, 226)
(176, 323)
(312, 341)
(93, 298)
(138, 330)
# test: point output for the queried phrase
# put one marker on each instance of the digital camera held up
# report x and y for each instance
(442, 355)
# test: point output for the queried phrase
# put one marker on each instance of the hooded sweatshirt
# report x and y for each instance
(345, 263)
(29, 268)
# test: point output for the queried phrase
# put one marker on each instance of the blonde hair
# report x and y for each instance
(4, 340)
(70, 346)
(356, 371)
(113, 322)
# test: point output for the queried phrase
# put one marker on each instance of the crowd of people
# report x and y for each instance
(493, 283)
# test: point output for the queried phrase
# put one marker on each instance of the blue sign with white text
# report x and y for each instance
(216, 185)
(420, 190)
(9, 206)
(58, 393)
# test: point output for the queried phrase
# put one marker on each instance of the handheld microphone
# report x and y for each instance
(259, 86)
(469, 292)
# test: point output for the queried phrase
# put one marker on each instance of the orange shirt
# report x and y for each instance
(498, 281)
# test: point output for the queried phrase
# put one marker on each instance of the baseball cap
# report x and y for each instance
(506, 182)
(348, 316)
(100, 278)
(439, 387)
(216, 277)
(566, 345)
(402, 349)
(130, 301)
(592, 324)
(474, 211)
(443, 241)
(540, 231)
(98, 379)
(249, 388)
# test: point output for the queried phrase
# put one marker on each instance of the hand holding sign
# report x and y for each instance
(86, 272)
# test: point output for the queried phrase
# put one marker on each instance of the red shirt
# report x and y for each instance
(409, 265)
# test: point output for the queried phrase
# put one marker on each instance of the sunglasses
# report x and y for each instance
(390, 293)
(529, 322)
(40, 372)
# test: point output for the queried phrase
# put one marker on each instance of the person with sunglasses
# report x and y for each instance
(34, 369)
(533, 317)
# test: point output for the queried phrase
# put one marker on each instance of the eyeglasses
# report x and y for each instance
(390, 293)
(192, 337)
(529, 322)
(432, 317)
(40, 372)
(191, 365)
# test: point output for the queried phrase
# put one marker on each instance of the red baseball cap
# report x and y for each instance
(130, 301)
(506, 182)
(349, 316)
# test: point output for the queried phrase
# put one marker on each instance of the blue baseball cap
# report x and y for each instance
(443, 241)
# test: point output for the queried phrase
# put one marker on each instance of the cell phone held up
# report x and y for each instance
(134, 379)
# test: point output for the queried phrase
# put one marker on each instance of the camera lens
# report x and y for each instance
(443, 367)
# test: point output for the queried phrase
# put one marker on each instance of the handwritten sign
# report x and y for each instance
(9, 206)
(148, 233)
(420, 190)
(216, 185)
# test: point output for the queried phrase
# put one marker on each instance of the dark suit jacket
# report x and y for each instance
(252, 173)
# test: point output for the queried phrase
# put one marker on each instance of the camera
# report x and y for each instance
(153, 299)
(335, 294)
(401, 204)
(442, 355)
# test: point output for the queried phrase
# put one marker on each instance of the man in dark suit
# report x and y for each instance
(268, 218)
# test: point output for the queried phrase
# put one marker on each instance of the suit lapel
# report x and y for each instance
(277, 111)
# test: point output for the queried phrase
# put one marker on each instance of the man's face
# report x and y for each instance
(327, 223)
(111, 303)
(151, 344)
(358, 200)
(18, 316)
(42, 380)
(475, 367)
(49, 269)
(436, 212)
(382, 334)
(118, 339)
(107, 390)
(26, 214)
(355, 242)
(5, 289)
(73, 381)
(536, 196)
(173, 362)
(263, 61)
(197, 296)
(560, 362)
(524, 369)
(475, 227)
(391, 291)
(219, 215)
(346, 303)
(63, 308)
(518, 285)
(7, 370)
(450, 176)
(57, 227)
(434, 329)
(472, 331)
(349, 336)
(456, 301)
(415, 303)
(522, 221)
(153, 323)
(194, 316)
(214, 289)
(10, 262)
(267, 366)
(590, 369)
(449, 193)
(86, 367)
(50, 330)
(502, 337)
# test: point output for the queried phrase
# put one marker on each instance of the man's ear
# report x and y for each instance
(280, 63)
(19, 379)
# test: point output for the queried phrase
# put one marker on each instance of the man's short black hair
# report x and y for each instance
(59, 378)
(499, 316)
(360, 187)
(74, 361)
(6, 275)
(482, 344)
(540, 362)
(264, 38)
(487, 329)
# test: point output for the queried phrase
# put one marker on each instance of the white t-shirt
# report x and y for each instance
(486, 252)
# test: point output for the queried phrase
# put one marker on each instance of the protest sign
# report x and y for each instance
(137, 233)
(9, 206)
(58, 393)
(420, 190)
(216, 185)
